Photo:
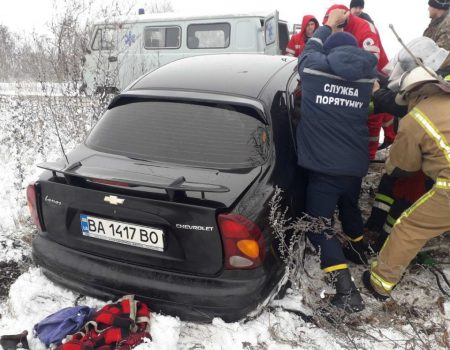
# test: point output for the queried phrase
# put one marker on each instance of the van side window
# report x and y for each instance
(162, 37)
(208, 36)
(105, 39)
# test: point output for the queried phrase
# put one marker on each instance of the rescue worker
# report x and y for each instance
(439, 27)
(369, 39)
(337, 79)
(357, 9)
(421, 144)
(366, 35)
(298, 41)
(424, 49)
(395, 195)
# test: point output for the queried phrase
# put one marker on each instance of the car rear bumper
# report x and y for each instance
(230, 295)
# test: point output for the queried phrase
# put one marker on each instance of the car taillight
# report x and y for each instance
(32, 205)
(243, 242)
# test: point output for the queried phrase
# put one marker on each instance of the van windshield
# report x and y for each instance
(210, 136)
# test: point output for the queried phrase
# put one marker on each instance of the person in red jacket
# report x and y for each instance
(365, 33)
(368, 38)
(299, 40)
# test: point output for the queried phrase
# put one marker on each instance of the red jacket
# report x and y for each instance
(366, 35)
(297, 43)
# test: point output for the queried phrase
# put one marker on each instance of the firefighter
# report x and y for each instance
(337, 79)
(421, 144)
(298, 41)
(395, 195)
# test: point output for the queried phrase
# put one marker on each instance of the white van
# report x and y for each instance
(120, 52)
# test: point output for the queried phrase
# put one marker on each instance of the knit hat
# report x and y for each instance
(339, 39)
(357, 3)
(439, 4)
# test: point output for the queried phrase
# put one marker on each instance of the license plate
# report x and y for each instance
(122, 232)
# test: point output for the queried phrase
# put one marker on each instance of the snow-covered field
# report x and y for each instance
(418, 318)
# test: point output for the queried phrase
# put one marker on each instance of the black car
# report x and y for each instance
(168, 196)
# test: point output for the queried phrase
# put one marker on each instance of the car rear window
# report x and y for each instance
(211, 136)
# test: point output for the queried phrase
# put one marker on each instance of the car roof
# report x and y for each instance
(234, 74)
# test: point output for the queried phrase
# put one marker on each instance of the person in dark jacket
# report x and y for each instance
(332, 139)
(439, 27)
(357, 8)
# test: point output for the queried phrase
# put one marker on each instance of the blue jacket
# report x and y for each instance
(332, 136)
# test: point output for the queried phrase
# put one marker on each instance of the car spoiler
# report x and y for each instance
(138, 180)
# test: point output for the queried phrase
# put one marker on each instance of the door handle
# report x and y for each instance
(112, 59)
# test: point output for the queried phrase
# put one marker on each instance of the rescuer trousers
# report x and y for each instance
(323, 194)
(427, 218)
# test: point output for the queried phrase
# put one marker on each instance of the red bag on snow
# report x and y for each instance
(121, 325)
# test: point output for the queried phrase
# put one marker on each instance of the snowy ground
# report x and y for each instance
(418, 318)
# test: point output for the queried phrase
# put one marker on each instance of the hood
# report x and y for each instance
(305, 22)
(352, 63)
(334, 7)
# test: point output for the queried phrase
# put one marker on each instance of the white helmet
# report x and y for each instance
(411, 80)
(424, 49)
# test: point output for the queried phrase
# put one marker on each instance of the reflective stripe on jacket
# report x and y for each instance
(332, 135)
(422, 141)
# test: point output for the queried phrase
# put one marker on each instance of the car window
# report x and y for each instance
(283, 34)
(210, 136)
(162, 37)
(208, 36)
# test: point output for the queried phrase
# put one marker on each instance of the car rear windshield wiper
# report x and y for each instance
(137, 180)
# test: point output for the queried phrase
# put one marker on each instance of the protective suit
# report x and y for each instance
(421, 144)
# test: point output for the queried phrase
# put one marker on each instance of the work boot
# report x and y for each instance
(385, 144)
(14, 341)
(347, 296)
(379, 293)
(379, 242)
(355, 252)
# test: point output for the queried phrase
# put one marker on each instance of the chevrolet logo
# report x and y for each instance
(114, 200)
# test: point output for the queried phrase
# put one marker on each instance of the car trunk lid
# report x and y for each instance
(86, 206)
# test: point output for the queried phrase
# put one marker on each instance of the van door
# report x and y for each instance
(100, 70)
(271, 37)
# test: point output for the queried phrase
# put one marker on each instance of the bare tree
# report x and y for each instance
(159, 6)
(7, 53)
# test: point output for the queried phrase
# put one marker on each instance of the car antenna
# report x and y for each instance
(59, 138)
(417, 60)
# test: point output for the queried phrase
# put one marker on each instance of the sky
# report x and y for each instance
(409, 20)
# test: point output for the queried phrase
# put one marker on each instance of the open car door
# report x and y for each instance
(271, 36)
